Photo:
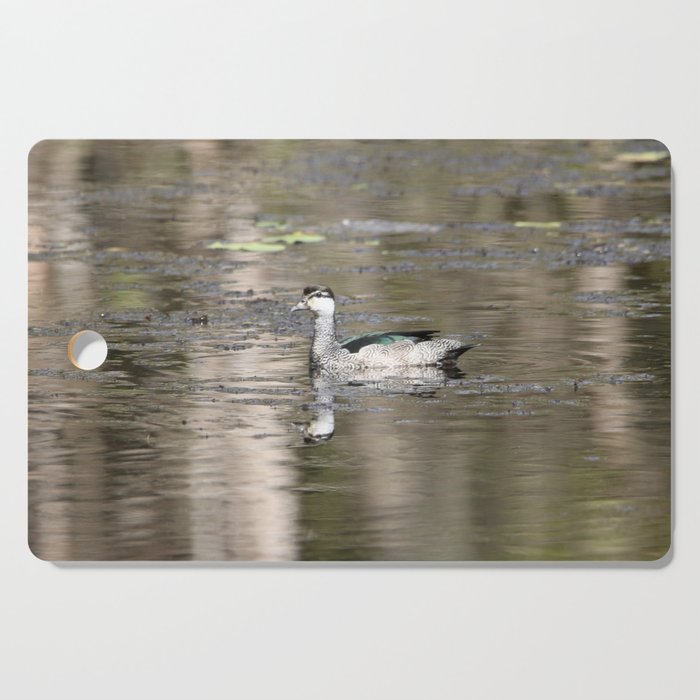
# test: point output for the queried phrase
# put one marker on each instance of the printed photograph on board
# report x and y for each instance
(368, 351)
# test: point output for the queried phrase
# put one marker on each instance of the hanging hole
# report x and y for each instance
(87, 350)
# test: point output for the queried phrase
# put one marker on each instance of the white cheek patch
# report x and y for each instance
(322, 305)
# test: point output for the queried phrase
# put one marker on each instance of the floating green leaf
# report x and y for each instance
(643, 157)
(537, 224)
(296, 237)
(250, 247)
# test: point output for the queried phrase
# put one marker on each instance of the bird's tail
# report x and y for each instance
(453, 355)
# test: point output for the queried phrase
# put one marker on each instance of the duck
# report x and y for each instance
(384, 349)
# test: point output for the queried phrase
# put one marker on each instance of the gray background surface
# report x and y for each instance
(397, 69)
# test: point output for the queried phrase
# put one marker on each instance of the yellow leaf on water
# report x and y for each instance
(250, 247)
(537, 224)
(643, 157)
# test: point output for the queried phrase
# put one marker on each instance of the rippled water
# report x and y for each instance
(203, 436)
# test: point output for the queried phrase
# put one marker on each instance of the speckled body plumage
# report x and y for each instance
(395, 349)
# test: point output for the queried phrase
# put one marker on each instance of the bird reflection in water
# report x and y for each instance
(418, 381)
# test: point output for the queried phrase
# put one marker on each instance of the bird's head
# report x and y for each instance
(317, 299)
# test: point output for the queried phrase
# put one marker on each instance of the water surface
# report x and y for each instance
(203, 437)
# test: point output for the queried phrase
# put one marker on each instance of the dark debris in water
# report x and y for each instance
(483, 389)
(501, 414)
(614, 379)
(234, 347)
(615, 227)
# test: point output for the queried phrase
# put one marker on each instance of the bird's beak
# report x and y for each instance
(301, 306)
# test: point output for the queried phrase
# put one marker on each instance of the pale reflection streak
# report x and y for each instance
(58, 171)
(247, 510)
